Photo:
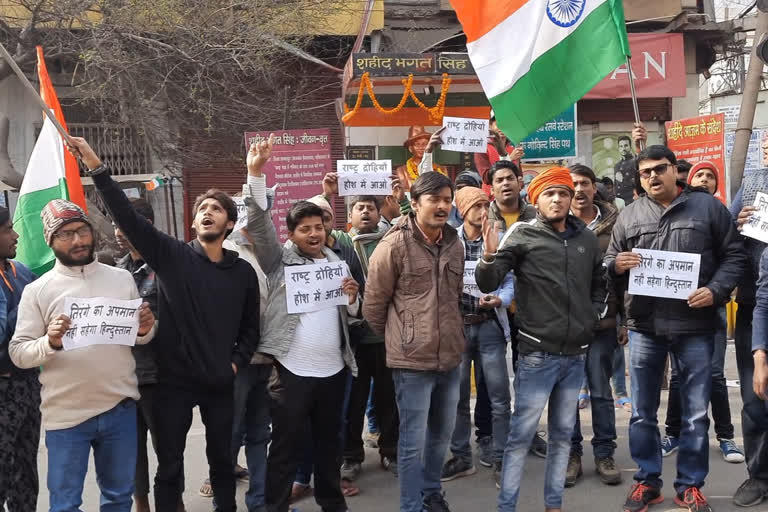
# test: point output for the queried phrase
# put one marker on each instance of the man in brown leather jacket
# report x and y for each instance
(415, 279)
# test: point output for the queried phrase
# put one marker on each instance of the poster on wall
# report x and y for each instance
(698, 139)
(300, 159)
(613, 157)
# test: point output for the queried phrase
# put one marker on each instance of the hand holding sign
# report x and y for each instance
(330, 184)
(58, 326)
(626, 261)
(146, 319)
(744, 216)
(435, 140)
(755, 223)
(351, 288)
(259, 154)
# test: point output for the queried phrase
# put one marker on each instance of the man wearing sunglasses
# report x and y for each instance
(673, 217)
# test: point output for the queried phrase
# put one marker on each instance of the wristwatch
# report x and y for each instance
(95, 172)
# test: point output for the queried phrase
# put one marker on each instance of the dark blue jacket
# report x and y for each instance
(17, 276)
(760, 316)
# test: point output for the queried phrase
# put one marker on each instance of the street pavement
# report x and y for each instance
(477, 493)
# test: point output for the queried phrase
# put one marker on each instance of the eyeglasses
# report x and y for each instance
(68, 236)
(659, 170)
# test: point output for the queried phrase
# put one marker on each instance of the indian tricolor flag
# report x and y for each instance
(52, 173)
(535, 58)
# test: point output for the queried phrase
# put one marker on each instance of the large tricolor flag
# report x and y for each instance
(52, 173)
(535, 58)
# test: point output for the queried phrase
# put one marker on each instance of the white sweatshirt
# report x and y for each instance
(76, 384)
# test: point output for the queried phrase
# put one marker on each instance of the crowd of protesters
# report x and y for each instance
(297, 389)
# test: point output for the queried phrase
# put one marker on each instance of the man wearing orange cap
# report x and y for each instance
(417, 142)
(560, 292)
(486, 328)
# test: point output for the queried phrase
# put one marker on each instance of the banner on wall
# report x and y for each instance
(300, 159)
(553, 141)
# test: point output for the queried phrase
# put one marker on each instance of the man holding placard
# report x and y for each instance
(208, 302)
(673, 309)
(312, 301)
(79, 321)
(486, 328)
(412, 298)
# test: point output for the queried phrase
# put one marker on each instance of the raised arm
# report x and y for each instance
(157, 248)
(496, 263)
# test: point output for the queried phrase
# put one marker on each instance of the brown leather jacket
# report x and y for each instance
(412, 297)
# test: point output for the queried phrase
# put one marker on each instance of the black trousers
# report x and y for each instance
(19, 440)
(173, 417)
(293, 401)
(754, 414)
(372, 364)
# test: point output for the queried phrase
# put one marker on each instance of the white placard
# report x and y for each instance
(470, 285)
(101, 321)
(667, 274)
(315, 287)
(757, 227)
(364, 177)
(242, 214)
(465, 135)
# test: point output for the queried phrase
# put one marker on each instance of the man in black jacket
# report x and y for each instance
(672, 217)
(560, 294)
(207, 301)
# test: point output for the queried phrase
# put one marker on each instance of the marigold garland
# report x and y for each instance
(435, 113)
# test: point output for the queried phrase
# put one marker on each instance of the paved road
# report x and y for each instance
(477, 493)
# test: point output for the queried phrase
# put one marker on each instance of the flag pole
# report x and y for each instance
(634, 96)
(34, 92)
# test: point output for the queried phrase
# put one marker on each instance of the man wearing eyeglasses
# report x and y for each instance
(673, 217)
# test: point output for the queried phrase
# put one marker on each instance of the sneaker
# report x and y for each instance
(669, 445)
(693, 501)
(640, 496)
(485, 451)
(456, 468)
(573, 473)
(497, 474)
(389, 465)
(752, 492)
(351, 470)
(539, 446)
(731, 452)
(607, 470)
(435, 503)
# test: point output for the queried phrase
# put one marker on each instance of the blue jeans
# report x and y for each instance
(427, 403)
(112, 435)
(251, 427)
(370, 412)
(619, 373)
(487, 347)
(692, 354)
(598, 369)
(541, 378)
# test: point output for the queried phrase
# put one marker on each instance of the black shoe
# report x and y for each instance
(456, 468)
(435, 503)
(539, 446)
(389, 465)
(640, 496)
(485, 451)
(752, 492)
(497, 474)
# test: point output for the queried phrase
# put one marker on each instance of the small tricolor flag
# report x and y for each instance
(52, 173)
(156, 182)
(535, 58)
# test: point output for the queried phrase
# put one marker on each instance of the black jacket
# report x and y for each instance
(560, 284)
(146, 282)
(208, 312)
(695, 222)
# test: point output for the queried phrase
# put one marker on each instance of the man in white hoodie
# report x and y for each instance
(88, 394)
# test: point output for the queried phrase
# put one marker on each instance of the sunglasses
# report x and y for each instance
(659, 170)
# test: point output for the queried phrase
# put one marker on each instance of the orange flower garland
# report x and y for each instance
(435, 113)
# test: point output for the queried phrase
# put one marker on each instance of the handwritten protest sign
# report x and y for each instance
(364, 177)
(757, 227)
(101, 321)
(470, 285)
(242, 214)
(315, 287)
(464, 134)
(667, 274)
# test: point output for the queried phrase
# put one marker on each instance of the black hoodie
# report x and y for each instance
(208, 312)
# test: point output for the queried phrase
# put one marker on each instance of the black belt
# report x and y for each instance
(478, 319)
